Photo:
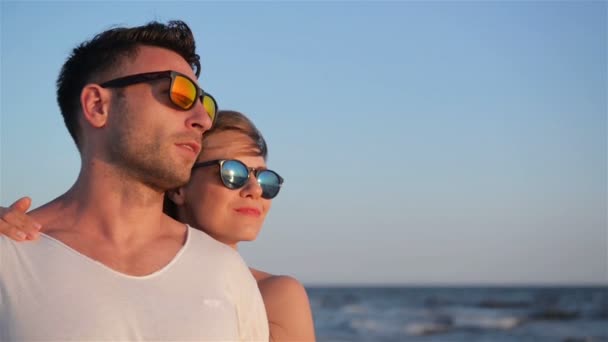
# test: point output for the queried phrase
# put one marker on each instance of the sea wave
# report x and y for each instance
(451, 324)
(460, 314)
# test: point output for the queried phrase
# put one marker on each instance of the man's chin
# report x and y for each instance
(178, 182)
(169, 181)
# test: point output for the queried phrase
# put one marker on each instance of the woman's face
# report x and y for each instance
(229, 216)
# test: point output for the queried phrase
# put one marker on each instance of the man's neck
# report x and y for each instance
(106, 206)
(115, 222)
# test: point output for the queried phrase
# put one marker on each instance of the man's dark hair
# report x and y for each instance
(107, 50)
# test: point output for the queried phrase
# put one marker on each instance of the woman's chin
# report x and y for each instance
(248, 237)
(248, 234)
(241, 236)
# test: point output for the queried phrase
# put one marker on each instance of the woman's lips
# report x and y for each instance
(249, 211)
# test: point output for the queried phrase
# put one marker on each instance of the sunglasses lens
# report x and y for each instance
(270, 183)
(210, 106)
(183, 92)
(234, 174)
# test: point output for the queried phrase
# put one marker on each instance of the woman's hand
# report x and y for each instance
(16, 224)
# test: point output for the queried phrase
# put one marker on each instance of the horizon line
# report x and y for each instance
(456, 285)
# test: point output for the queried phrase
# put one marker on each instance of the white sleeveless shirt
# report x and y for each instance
(50, 292)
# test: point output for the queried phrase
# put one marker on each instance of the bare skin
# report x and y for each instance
(205, 203)
(287, 306)
(113, 213)
(15, 224)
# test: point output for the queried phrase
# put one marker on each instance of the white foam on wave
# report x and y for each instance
(500, 323)
(367, 324)
(354, 309)
(425, 328)
(449, 324)
(374, 327)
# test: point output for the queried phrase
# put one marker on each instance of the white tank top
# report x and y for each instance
(50, 292)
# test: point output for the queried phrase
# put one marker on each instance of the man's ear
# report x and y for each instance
(177, 196)
(95, 102)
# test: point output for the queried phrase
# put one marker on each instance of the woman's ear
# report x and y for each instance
(95, 102)
(177, 196)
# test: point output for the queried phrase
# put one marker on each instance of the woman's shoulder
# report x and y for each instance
(279, 285)
(260, 275)
(287, 306)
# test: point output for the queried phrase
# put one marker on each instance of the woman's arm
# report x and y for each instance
(288, 309)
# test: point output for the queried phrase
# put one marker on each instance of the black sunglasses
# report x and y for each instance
(183, 91)
(235, 175)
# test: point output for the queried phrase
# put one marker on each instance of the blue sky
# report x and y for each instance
(421, 143)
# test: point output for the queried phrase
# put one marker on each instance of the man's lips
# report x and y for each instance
(190, 145)
(249, 211)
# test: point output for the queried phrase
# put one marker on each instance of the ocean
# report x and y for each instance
(457, 314)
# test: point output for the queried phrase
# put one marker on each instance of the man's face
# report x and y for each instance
(149, 138)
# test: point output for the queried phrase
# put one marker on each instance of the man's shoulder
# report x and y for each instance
(213, 257)
(8, 245)
(16, 255)
(4, 240)
(198, 237)
(204, 245)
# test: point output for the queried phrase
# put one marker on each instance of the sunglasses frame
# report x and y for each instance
(250, 170)
(125, 81)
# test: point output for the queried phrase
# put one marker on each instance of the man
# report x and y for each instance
(110, 265)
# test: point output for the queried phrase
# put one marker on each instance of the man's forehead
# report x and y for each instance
(153, 58)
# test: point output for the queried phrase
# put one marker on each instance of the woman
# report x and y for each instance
(228, 196)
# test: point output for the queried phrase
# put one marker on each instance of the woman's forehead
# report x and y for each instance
(221, 139)
(228, 144)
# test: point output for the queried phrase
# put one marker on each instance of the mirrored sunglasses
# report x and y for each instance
(235, 175)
